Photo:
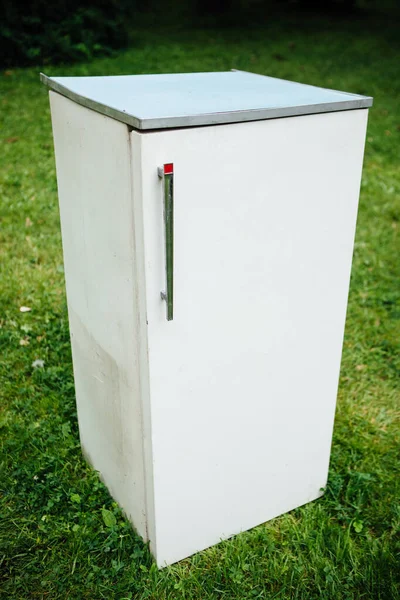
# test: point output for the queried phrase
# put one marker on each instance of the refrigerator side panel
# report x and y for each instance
(243, 380)
(94, 173)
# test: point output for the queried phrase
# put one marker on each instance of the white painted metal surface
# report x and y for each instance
(243, 381)
(221, 419)
(188, 99)
(94, 187)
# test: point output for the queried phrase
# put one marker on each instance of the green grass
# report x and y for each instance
(55, 540)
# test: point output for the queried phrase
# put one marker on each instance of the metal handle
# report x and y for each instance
(167, 174)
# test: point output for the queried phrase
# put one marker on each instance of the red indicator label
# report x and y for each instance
(169, 169)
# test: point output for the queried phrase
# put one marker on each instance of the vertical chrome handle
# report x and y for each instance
(166, 173)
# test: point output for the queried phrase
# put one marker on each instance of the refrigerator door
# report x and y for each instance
(243, 380)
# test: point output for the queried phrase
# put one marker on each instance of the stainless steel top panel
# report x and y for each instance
(193, 99)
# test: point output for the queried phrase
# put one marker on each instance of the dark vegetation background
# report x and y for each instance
(41, 32)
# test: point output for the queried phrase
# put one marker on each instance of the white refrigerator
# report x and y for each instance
(208, 222)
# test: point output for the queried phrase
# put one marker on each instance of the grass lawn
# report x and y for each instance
(57, 540)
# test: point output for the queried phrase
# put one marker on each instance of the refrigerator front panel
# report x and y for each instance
(243, 380)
